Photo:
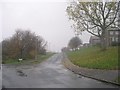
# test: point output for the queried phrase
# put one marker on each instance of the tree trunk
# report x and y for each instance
(21, 53)
(104, 40)
(103, 43)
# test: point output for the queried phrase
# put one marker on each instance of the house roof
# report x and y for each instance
(94, 37)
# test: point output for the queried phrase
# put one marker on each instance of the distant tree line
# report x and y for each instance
(23, 45)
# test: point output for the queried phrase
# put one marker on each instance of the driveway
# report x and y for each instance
(49, 74)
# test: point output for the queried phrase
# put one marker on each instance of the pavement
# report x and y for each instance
(108, 76)
(48, 74)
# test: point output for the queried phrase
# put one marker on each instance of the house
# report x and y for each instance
(65, 49)
(94, 40)
(114, 33)
(114, 36)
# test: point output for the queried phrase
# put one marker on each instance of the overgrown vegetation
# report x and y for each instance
(24, 44)
(93, 57)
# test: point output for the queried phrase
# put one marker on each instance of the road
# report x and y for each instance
(0, 78)
(49, 74)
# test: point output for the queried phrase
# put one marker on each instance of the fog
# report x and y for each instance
(46, 18)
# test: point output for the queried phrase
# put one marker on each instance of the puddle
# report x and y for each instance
(21, 73)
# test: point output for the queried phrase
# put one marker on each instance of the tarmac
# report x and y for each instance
(50, 73)
(108, 76)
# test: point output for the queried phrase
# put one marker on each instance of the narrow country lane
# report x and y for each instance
(49, 74)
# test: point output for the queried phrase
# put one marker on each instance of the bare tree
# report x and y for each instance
(23, 45)
(94, 17)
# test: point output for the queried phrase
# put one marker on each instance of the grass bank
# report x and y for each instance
(118, 80)
(93, 57)
(39, 59)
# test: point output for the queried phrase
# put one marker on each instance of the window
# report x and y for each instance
(117, 39)
(116, 32)
(111, 32)
(113, 39)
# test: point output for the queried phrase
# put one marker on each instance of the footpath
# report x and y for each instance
(108, 76)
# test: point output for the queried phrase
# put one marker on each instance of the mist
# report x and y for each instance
(47, 19)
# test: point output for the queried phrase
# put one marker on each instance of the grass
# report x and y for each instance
(118, 80)
(93, 57)
(42, 58)
(39, 59)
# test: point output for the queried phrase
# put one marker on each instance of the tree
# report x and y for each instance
(41, 45)
(74, 43)
(94, 17)
(23, 44)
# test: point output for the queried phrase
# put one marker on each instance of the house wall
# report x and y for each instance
(114, 36)
(94, 40)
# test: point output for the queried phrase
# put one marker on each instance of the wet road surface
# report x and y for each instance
(49, 74)
(0, 78)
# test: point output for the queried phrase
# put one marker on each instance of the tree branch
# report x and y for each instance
(107, 15)
(115, 15)
(87, 28)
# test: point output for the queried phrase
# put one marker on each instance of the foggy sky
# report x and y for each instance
(47, 19)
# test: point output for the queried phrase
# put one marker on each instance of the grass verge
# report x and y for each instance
(118, 80)
(39, 59)
(93, 57)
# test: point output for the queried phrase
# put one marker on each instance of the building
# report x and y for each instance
(114, 37)
(94, 40)
(65, 49)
